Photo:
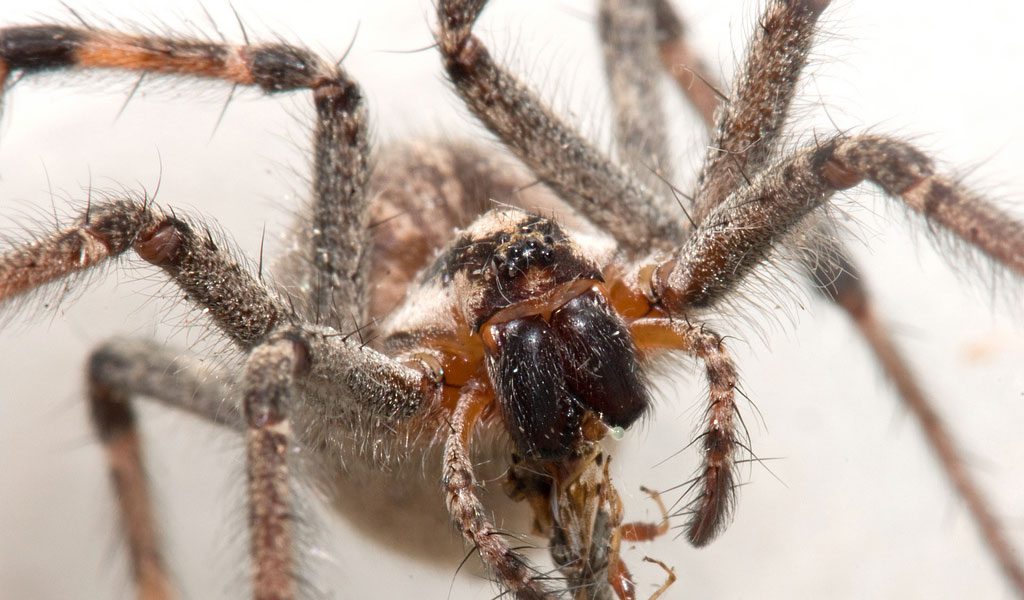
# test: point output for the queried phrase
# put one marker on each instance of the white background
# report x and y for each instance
(857, 507)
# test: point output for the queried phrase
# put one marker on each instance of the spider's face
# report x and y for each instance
(555, 349)
(548, 370)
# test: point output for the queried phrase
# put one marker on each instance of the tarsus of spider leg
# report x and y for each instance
(853, 299)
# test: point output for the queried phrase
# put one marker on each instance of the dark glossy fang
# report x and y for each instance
(529, 381)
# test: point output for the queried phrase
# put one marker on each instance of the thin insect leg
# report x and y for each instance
(627, 29)
(618, 573)
(639, 531)
(579, 173)
(669, 579)
(711, 509)
(268, 395)
(737, 235)
(752, 119)
(210, 277)
(468, 513)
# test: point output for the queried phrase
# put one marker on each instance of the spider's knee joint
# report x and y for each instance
(336, 94)
(109, 404)
(463, 54)
(301, 354)
(161, 243)
(838, 175)
(281, 68)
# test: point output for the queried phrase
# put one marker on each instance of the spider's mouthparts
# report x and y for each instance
(549, 370)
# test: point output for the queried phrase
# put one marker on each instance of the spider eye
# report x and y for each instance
(519, 254)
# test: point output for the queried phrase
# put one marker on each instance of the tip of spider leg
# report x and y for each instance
(711, 508)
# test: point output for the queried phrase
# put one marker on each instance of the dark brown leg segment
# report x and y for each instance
(240, 305)
(271, 67)
(580, 174)
(737, 235)
(119, 372)
(630, 57)
(167, 375)
(268, 395)
(752, 119)
(340, 228)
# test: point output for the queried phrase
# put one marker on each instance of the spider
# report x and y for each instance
(204, 207)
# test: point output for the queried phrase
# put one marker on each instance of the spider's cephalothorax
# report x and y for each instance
(529, 301)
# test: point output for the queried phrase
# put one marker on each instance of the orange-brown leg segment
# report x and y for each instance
(114, 419)
(469, 514)
(619, 576)
(710, 509)
(669, 579)
(641, 531)
(272, 67)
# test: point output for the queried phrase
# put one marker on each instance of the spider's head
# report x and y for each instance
(555, 349)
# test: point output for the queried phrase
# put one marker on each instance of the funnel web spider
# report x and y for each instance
(170, 201)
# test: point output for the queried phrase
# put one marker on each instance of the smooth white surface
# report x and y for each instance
(857, 507)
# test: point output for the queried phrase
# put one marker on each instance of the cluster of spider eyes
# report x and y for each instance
(524, 253)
